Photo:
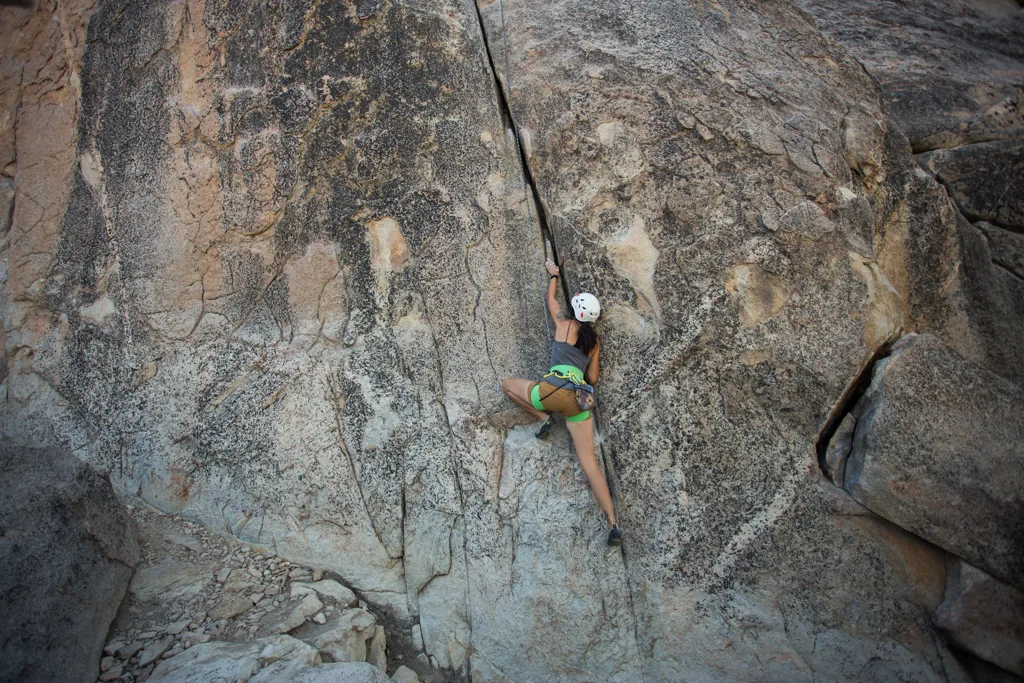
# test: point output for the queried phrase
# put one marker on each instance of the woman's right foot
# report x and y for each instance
(546, 427)
(615, 535)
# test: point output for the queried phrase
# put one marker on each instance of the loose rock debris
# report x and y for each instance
(193, 586)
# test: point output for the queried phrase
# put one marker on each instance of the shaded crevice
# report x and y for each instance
(547, 234)
(509, 120)
(853, 392)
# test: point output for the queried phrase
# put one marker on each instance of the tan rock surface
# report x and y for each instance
(272, 261)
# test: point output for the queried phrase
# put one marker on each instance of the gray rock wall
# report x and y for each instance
(271, 264)
(67, 550)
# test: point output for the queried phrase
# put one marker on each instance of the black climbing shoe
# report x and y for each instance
(546, 427)
(615, 535)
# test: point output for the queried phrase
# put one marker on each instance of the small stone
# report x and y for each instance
(422, 659)
(230, 608)
(433, 662)
(177, 627)
(417, 638)
(194, 639)
(272, 589)
(255, 573)
(404, 675)
(128, 651)
(320, 618)
(256, 597)
(154, 650)
(176, 650)
(309, 606)
(106, 663)
(376, 650)
(363, 605)
(318, 574)
(113, 646)
(223, 574)
(113, 673)
(147, 635)
(326, 588)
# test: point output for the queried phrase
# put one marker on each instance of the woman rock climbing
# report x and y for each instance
(574, 363)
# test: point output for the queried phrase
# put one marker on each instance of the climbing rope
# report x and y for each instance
(545, 237)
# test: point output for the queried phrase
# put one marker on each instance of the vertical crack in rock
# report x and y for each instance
(547, 233)
(355, 474)
(507, 115)
(843, 407)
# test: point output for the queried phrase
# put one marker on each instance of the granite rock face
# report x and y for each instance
(284, 258)
(67, 549)
(983, 615)
(938, 448)
(950, 75)
(950, 72)
(983, 180)
(726, 215)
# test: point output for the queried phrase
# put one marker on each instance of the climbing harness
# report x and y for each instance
(584, 392)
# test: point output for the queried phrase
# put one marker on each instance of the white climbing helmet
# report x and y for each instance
(586, 307)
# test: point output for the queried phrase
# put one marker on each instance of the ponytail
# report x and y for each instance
(587, 339)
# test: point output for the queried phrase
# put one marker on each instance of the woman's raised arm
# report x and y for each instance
(552, 300)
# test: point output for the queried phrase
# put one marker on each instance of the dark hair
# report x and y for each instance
(587, 338)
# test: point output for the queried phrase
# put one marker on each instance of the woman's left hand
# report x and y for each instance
(552, 268)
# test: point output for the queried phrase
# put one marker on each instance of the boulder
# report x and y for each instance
(348, 638)
(377, 649)
(278, 659)
(983, 615)
(938, 449)
(296, 672)
(232, 661)
(306, 608)
(327, 588)
(67, 550)
(169, 579)
(405, 675)
(154, 650)
(230, 608)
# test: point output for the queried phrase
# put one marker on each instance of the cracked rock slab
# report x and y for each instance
(938, 449)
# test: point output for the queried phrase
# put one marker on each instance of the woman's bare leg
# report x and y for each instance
(583, 439)
(518, 389)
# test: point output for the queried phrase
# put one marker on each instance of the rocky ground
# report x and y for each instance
(192, 586)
